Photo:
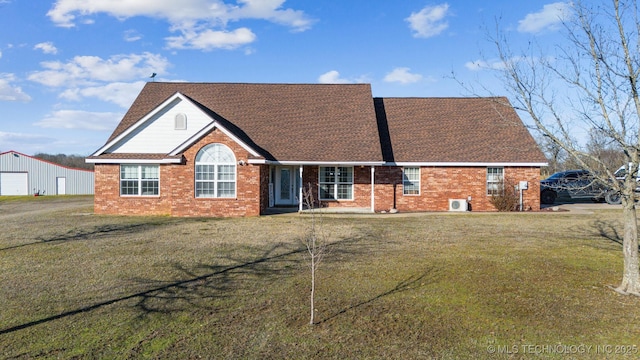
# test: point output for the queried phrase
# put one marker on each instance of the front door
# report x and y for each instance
(285, 185)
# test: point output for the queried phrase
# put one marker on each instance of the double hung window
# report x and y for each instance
(411, 181)
(139, 180)
(495, 179)
(336, 183)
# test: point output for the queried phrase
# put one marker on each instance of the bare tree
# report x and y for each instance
(73, 161)
(591, 80)
(316, 245)
(554, 153)
(605, 149)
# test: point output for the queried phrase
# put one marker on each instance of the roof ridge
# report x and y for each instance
(443, 97)
(253, 83)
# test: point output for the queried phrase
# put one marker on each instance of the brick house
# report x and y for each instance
(221, 149)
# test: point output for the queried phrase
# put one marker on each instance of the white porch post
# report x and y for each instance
(300, 200)
(373, 194)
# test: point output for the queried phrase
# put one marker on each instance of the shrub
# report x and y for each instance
(506, 197)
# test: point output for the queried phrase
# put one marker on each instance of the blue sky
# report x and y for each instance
(69, 69)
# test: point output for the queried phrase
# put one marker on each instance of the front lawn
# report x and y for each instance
(443, 286)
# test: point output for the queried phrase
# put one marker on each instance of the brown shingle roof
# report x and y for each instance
(343, 123)
(129, 156)
(286, 122)
(453, 130)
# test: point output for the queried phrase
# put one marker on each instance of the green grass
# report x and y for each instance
(432, 286)
(42, 198)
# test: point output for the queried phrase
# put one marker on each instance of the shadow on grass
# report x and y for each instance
(169, 291)
(218, 281)
(207, 282)
(610, 231)
(413, 282)
(98, 231)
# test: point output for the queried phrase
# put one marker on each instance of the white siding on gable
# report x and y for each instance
(159, 134)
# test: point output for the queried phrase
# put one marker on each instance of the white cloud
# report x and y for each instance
(271, 10)
(402, 75)
(90, 70)
(429, 21)
(78, 119)
(210, 39)
(497, 64)
(195, 20)
(10, 92)
(131, 36)
(46, 47)
(483, 64)
(333, 77)
(11, 140)
(549, 18)
(119, 93)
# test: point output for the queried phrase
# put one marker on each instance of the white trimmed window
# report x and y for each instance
(139, 180)
(495, 177)
(411, 181)
(336, 182)
(215, 172)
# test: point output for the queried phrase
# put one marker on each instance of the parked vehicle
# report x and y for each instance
(614, 197)
(575, 184)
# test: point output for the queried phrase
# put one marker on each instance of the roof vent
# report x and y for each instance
(181, 121)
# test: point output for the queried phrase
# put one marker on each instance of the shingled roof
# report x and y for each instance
(285, 122)
(454, 130)
(344, 123)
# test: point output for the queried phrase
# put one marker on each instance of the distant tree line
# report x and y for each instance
(597, 145)
(72, 161)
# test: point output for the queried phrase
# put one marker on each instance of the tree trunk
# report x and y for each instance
(313, 289)
(631, 274)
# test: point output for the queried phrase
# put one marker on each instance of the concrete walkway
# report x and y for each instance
(580, 207)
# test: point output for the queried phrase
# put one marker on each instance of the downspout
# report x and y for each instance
(373, 193)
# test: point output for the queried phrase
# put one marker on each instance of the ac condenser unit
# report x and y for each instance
(458, 205)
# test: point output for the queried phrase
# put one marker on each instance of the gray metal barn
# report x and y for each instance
(22, 174)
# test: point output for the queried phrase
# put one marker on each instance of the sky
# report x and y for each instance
(69, 69)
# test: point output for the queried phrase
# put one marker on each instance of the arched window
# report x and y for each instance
(215, 172)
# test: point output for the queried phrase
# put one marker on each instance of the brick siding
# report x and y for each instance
(177, 195)
(439, 184)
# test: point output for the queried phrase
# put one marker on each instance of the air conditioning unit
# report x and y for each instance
(458, 205)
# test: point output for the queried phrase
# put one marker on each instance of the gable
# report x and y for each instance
(160, 131)
(283, 122)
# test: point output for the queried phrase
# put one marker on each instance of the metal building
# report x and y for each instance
(22, 174)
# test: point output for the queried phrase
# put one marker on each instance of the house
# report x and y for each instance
(223, 149)
(22, 174)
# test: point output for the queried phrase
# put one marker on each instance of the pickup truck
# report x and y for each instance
(613, 197)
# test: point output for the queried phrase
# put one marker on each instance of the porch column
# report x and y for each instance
(373, 193)
(300, 199)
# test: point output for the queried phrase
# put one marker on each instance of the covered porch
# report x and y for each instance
(338, 188)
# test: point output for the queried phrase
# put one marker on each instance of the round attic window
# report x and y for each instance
(181, 121)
